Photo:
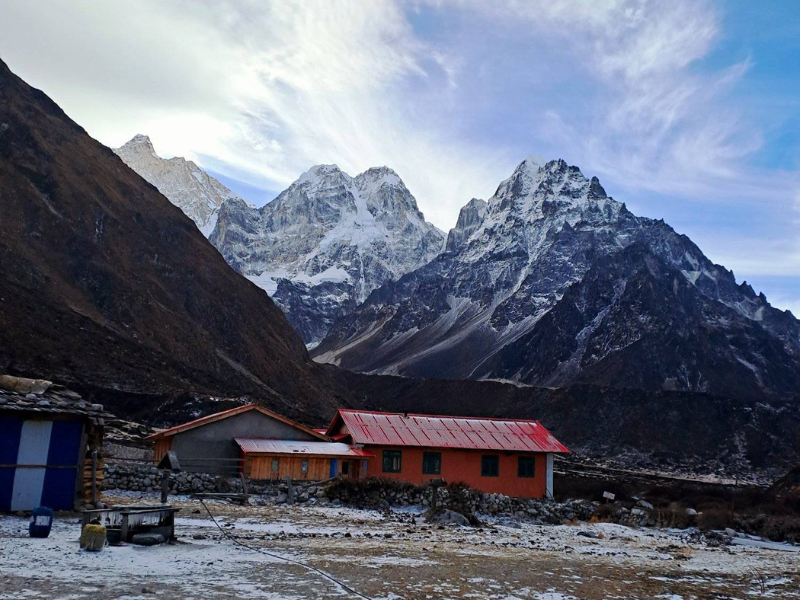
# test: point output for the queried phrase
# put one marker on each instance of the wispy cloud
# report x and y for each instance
(654, 122)
(450, 93)
(267, 89)
(270, 88)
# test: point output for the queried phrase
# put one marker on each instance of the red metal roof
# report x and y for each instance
(397, 429)
(263, 446)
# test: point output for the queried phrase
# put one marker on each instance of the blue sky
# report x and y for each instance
(685, 110)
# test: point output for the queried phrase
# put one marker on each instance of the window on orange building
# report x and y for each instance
(276, 465)
(431, 463)
(392, 461)
(490, 465)
(526, 467)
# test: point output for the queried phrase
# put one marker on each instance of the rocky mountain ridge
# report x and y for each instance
(187, 186)
(326, 242)
(552, 281)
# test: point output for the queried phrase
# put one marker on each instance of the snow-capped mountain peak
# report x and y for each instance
(327, 241)
(378, 176)
(533, 185)
(139, 144)
(185, 184)
(322, 176)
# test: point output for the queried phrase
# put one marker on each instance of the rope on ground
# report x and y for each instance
(328, 576)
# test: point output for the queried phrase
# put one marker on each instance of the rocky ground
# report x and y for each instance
(390, 556)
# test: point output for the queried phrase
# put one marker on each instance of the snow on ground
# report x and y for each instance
(388, 557)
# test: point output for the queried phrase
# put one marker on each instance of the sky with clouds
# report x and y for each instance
(687, 110)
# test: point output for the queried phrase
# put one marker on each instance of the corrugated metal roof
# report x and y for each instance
(261, 446)
(396, 429)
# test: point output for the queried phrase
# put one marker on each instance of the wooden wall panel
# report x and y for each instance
(260, 467)
(162, 446)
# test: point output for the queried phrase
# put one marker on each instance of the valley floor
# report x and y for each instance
(389, 557)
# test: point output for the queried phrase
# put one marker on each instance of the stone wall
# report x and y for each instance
(143, 477)
(147, 478)
(384, 494)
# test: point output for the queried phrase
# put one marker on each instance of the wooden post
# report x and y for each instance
(123, 529)
(171, 524)
(244, 488)
(289, 490)
(83, 483)
(94, 477)
(164, 486)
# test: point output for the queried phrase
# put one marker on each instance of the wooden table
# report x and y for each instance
(129, 518)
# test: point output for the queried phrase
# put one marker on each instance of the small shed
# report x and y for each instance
(258, 443)
(312, 461)
(47, 438)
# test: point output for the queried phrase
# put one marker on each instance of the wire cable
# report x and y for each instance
(328, 576)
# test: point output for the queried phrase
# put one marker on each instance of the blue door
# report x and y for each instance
(10, 430)
(63, 459)
(334, 467)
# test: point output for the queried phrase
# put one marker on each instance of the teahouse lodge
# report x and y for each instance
(507, 456)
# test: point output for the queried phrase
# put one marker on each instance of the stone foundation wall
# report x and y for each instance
(143, 477)
(383, 494)
(147, 478)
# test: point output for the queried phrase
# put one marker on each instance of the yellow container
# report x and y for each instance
(93, 537)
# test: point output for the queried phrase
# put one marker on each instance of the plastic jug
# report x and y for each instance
(41, 522)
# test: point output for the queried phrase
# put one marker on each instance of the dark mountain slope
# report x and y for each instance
(634, 321)
(107, 286)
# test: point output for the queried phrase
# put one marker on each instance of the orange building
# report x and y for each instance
(507, 456)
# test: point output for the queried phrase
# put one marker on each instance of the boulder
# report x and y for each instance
(147, 539)
(448, 517)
